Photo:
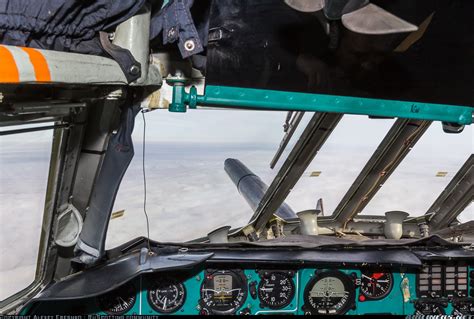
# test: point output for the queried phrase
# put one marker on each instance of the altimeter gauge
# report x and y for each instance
(375, 285)
(166, 295)
(329, 292)
(119, 301)
(276, 289)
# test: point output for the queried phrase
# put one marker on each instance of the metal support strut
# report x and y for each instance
(245, 98)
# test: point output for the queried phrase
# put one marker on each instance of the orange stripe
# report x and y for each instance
(8, 69)
(39, 64)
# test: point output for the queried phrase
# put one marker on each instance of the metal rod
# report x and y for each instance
(293, 125)
(33, 129)
(236, 97)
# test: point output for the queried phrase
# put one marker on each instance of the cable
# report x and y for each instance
(144, 182)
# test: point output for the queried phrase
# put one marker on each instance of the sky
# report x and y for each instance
(189, 194)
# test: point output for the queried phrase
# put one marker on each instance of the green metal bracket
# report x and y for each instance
(244, 98)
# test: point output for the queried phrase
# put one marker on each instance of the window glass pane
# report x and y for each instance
(24, 166)
(424, 173)
(338, 163)
(189, 193)
(467, 214)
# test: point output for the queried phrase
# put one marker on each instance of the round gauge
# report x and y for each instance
(166, 295)
(429, 308)
(463, 307)
(118, 301)
(276, 289)
(223, 291)
(375, 285)
(329, 292)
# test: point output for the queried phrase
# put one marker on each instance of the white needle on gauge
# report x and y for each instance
(164, 304)
(267, 289)
(236, 289)
(366, 277)
(221, 291)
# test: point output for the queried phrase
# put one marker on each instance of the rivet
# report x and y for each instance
(134, 70)
(189, 45)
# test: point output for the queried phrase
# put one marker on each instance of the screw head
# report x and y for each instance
(134, 70)
(189, 45)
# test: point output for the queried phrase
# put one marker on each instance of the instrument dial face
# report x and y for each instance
(166, 295)
(118, 301)
(330, 292)
(223, 291)
(276, 289)
(376, 285)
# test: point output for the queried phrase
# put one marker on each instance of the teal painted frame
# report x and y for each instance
(245, 98)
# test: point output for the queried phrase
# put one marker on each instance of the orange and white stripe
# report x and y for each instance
(28, 65)
(23, 65)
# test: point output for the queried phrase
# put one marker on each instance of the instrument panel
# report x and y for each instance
(435, 289)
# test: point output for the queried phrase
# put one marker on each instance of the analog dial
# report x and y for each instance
(118, 301)
(329, 292)
(223, 291)
(375, 285)
(166, 295)
(276, 289)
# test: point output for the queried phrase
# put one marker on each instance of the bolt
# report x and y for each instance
(189, 45)
(111, 36)
(134, 70)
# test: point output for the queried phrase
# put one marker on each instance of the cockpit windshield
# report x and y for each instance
(189, 194)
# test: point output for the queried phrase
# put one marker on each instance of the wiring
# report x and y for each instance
(144, 182)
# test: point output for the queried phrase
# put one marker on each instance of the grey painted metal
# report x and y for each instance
(134, 35)
(73, 68)
(252, 188)
(364, 224)
(308, 145)
(392, 150)
(33, 129)
(457, 230)
(100, 124)
(292, 126)
(455, 197)
(20, 112)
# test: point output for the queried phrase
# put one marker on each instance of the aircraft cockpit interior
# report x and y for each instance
(236, 157)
